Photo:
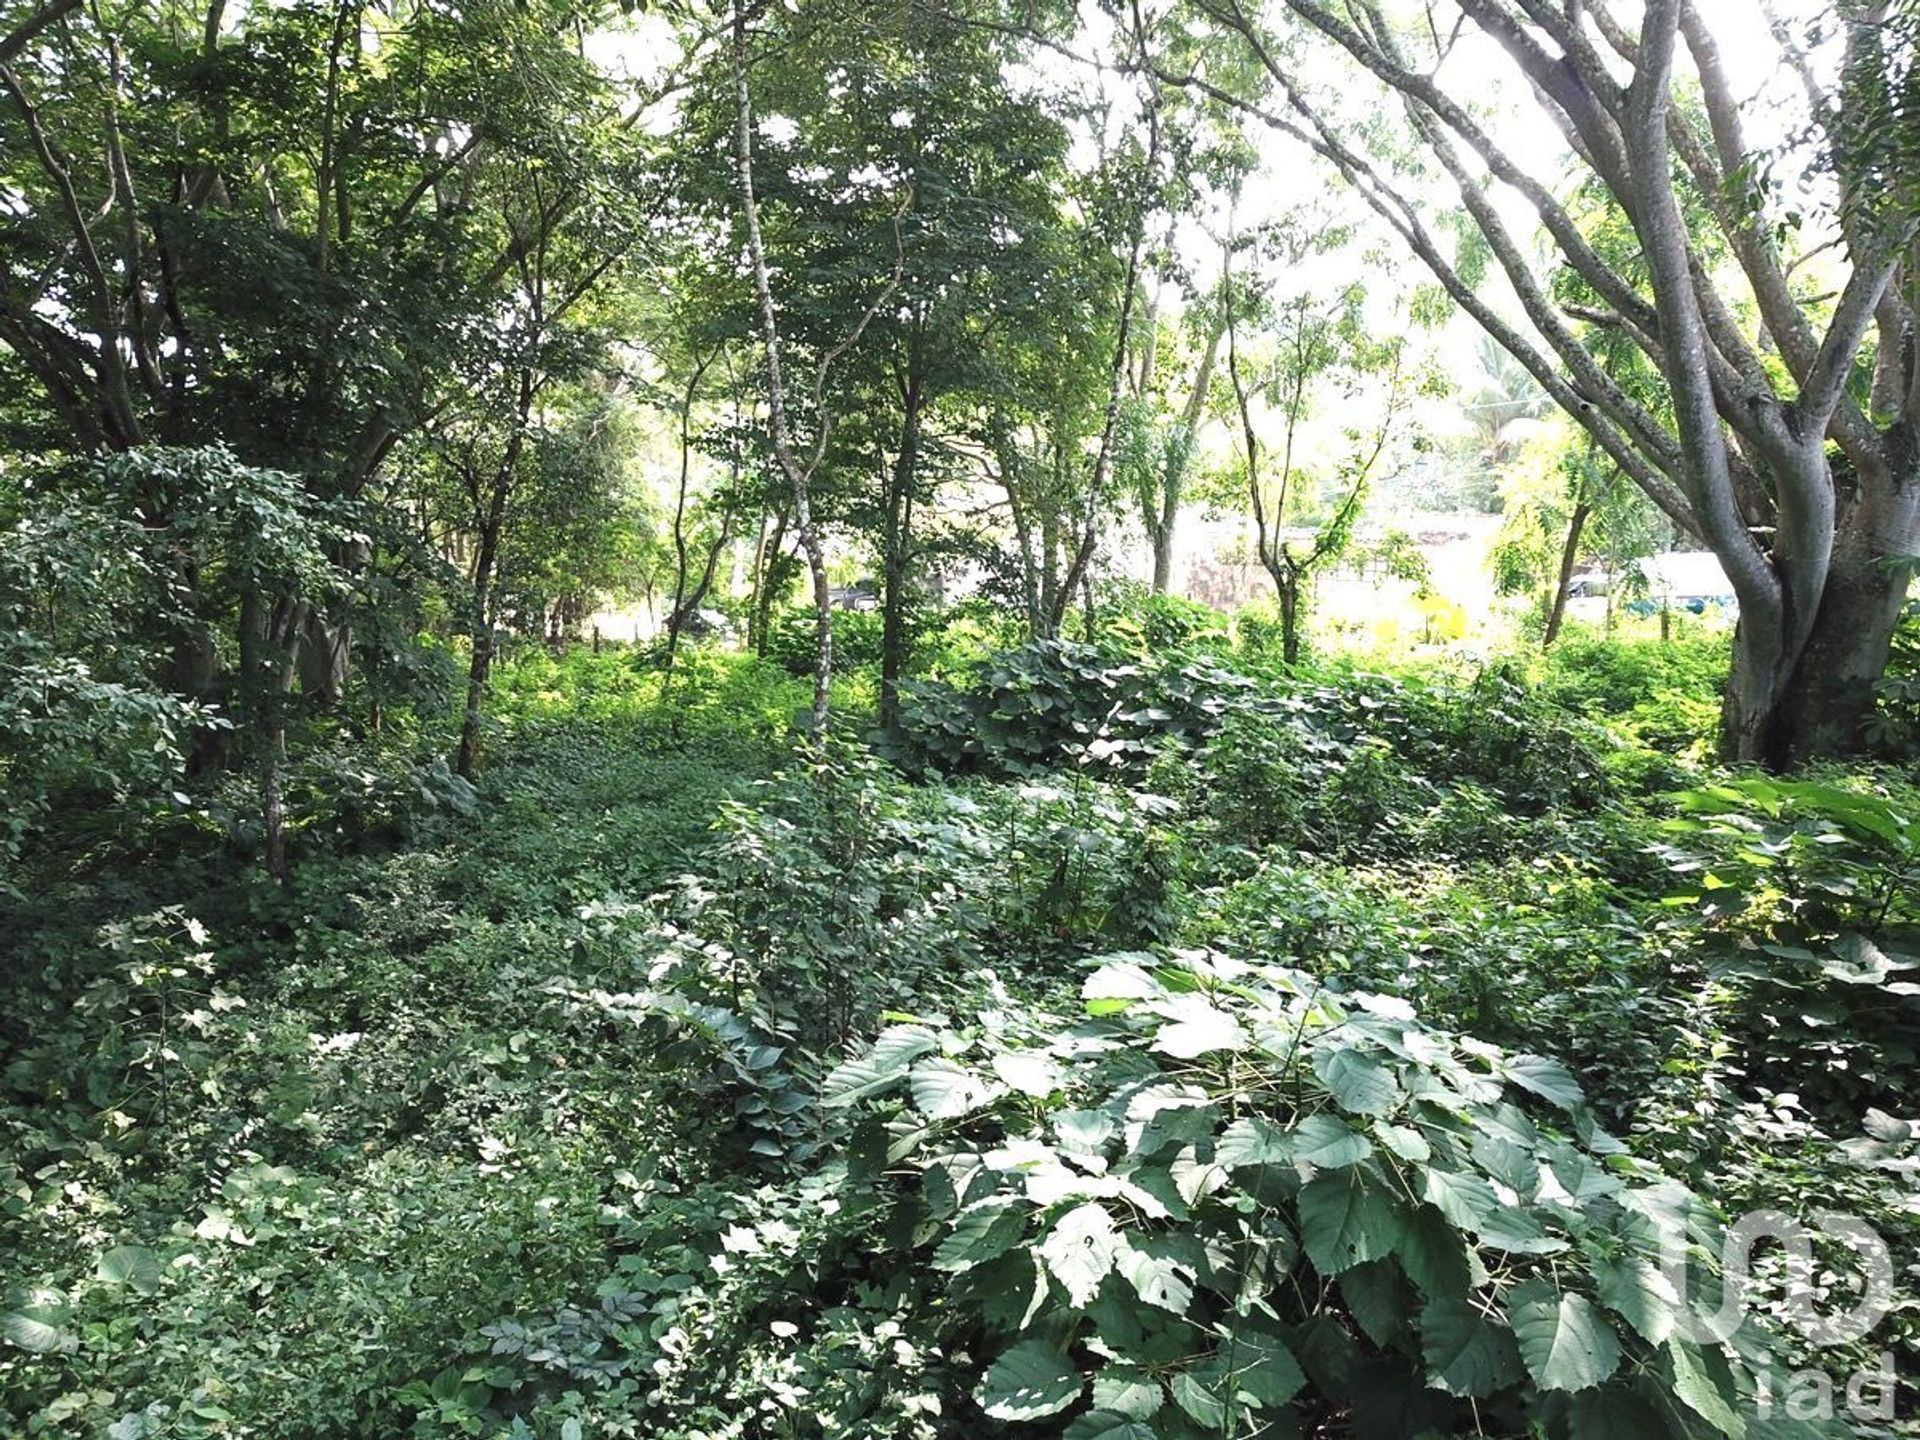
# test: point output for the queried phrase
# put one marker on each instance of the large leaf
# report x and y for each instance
(1347, 1219)
(1258, 1366)
(1564, 1340)
(1464, 1199)
(1548, 1079)
(1612, 1414)
(1693, 1383)
(883, 1066)
(1107, 1425)
(1029, 1382)
(1080, 1251)
(1127, 1391)
(131, 1265)
(1028, 1072)
(1156, 1276)
(1466, 1353)
(1640, 1294)
(1434, 1254)
(1328, 1143)
(1361, 1082)
(943, 1090)
(36, 1330)
(1202, 1030)
(983, 1233)
(1252, 1141)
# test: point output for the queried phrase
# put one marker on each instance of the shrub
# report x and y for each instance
(1056, 702)
(856, 639)
(1236, 1198)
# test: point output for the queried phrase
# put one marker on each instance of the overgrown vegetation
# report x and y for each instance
(1206, 1048)
(727, 720)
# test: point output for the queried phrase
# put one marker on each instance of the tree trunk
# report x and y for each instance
(480, 666)
(1162, 559)
(1563, 578)
(1820, 708)
(325, 649)
(895, 540)
(1289, 589)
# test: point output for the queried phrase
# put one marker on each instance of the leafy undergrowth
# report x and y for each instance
(1149, 1046)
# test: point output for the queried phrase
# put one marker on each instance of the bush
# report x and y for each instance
(1056, 702)
(857, 635)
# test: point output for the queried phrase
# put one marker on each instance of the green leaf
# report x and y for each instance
(1128, 1392)
(1563, 1339)
(1251, 1141)
(1080, 1251)
(131, 1265)
(1346, 1220)
(1409, 1144)
(943, 1090)
(1084, 1132)
(1155, 1276)
(1639, 1293)
(1029, 1073)
(1466, 1353)
(1548, 1079)
(1114, 988)
(1610, 1414)
(884, 1064)
(985, 1232)
(1202, 1405)
(1464, 1199)
(1358, 1080)
(1518, 1232)
(1434, 1254)
(1205, 1030)
(36, 1333)
(1029, 1382)
(1693, 1384)
(1328, 1143)
(1263, 1371)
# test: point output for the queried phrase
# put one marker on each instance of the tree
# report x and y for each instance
(1775, 444)
(1317, 344)
(797, 465)
(287, 230)
(1158, 446)
(1561, 499)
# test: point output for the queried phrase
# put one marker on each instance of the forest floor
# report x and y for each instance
(556, 1110)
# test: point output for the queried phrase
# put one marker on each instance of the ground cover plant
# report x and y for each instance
(1319, 1057)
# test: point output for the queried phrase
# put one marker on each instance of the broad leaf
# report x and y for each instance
(1640, 1294)
(1080, 1251)
(1466, 1353)
(884, 1064)
(943, 1090)
(1361, 1082)
(1548, 1079)
(1328, 1143)
(1346, 1219)
(131, 1265)
(1564, 1340)
(1029, 1382)
(983, 1233)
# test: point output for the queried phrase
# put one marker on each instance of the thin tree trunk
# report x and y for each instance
(1289, 592)
(1563, 577)
(895, 540)
(480, 663)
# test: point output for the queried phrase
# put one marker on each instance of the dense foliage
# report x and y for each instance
(1234, 1050)
(644, 791)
